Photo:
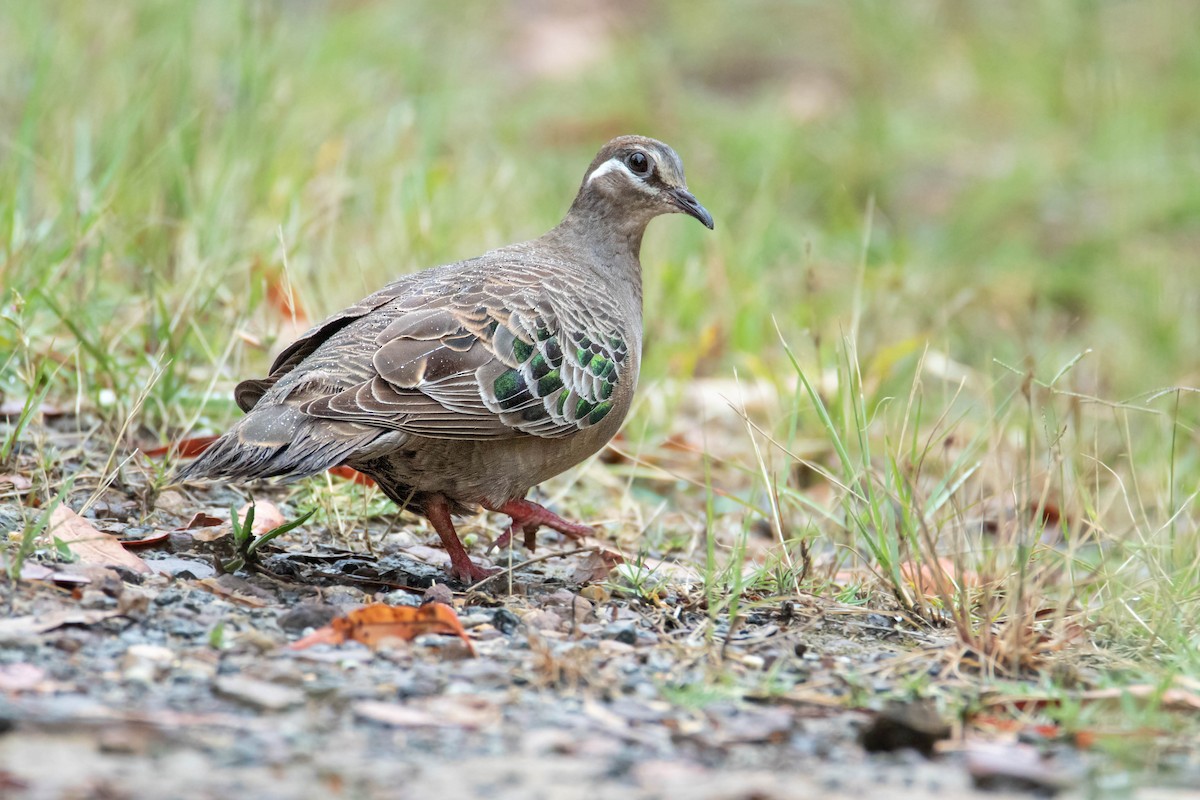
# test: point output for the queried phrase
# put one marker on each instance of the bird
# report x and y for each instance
(465, 385)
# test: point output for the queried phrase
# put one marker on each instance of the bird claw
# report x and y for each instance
(527, 517)
(471, 573)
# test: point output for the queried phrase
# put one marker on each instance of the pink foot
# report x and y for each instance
(461, 566)
(527, 516)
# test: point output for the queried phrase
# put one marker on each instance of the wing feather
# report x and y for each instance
(464, 361)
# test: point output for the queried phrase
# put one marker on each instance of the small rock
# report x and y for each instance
(399, 597)
(258, 694)
(94, 598)
(596, 593)
(172, 502)
(915, 725)
(187, 568)
(506, 621)
(344, 597)
(306, 615)
(134, 602)
(623, 632)
(543, 620)
(145, 662)
(439, 593)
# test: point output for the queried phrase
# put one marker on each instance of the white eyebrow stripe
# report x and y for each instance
(615, 164)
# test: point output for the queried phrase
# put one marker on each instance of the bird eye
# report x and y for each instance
(638, 162)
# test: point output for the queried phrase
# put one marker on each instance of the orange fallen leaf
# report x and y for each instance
(185, 448)
(281, 296)
(351, 474)
(374, 624)
(1009, 725)
(90, 545)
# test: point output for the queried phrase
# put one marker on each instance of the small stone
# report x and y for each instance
(145, 663)
(306, 615)
(506, 621)
(596, 593)
(439, 593)
(96, 599)
(623, 632)
(543, 620)
(916, 725)
(258, 694)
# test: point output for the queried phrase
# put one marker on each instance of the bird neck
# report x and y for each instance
(611, 233)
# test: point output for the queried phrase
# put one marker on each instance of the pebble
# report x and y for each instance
(506, 621)
(96, 599)
(258, 694)
(543, 620)
(306, 615)
(145, 663)
(623, 632)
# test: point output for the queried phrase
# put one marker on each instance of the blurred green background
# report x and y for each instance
(1017, 181)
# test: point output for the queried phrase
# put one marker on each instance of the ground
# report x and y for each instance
(164, 675)
(913, 462)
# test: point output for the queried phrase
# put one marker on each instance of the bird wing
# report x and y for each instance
(465, 363)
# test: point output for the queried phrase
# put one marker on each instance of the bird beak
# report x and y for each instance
(689, 205)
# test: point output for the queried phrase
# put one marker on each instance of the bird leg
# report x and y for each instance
(527, 516)
(437, 510)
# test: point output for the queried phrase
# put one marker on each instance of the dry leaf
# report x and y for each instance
(90, 545)
(351, 474)
(147, 541)
(39, 572)
(444, 711)
(282, 297)
(597, 565)
(16, 482)
(184, 448)
(209, 534)
(202, 520)
(374, 624)
(267, 517)
(18, 627)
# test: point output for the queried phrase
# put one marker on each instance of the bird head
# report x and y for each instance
(638, 178)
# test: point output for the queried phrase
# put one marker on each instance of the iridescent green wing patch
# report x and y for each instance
(553, 382)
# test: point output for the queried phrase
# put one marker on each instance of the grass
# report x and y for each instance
(956, 241)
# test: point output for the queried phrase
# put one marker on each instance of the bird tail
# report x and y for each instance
(278, 441)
